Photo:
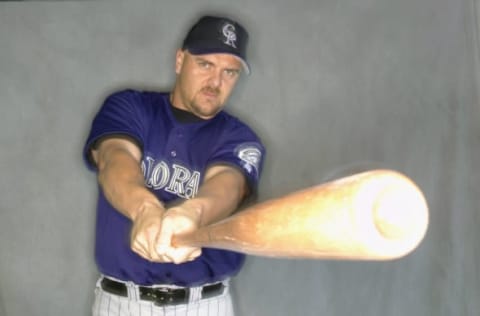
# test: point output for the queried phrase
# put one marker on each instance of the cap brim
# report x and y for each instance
(245, 65)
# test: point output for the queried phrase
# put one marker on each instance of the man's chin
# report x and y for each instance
(207, 111)
(207, 115)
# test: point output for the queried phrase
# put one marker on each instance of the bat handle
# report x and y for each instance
(220, 235)
(198, 238)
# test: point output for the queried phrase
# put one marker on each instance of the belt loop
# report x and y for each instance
(195, 294)
(99, 281)
(133, 292)
(226, 284)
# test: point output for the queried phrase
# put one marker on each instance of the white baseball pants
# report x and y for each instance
(107, 304)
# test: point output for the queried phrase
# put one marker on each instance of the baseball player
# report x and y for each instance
(168, 163)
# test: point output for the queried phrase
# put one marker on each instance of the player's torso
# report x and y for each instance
(175, 155)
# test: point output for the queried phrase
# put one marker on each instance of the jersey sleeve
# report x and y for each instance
(241, 148)
(121, 115)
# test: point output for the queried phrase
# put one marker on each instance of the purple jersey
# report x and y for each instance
(175, 157)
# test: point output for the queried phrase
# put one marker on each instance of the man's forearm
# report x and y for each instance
(122, 181)
(219, 196)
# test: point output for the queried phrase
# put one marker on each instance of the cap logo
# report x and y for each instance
(230, 36)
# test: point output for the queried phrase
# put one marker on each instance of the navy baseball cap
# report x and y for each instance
(213, 34)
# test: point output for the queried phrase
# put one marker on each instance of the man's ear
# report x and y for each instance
(179, 57)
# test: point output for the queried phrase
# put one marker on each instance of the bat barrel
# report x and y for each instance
(391, 213)
(375, 215)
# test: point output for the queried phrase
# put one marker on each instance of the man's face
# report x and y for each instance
(204, 82)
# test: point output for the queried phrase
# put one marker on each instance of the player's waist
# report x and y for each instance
(161, 295)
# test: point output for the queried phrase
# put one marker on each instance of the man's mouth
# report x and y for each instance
(211, 92)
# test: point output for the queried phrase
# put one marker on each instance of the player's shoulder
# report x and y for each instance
(136, 94)
(134, 98)
(124, 94)
(233, 122)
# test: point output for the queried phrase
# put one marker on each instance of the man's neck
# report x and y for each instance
(181, 115)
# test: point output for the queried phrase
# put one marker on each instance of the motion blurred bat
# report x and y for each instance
(374, 215)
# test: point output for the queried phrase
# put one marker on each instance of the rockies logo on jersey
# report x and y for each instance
(177, 179)
(250, 155)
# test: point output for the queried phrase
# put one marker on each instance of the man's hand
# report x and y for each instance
(178, 220)
(153, 229)
(146, 231)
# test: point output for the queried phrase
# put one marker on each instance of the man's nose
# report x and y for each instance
(216, 79)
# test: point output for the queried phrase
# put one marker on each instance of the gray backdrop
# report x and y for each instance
(338, 86)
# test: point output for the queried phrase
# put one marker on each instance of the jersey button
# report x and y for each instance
(173, 153)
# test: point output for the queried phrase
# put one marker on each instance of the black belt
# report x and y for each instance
(161, 295)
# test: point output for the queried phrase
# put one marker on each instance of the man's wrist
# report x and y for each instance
(191, 209)
(147, 205)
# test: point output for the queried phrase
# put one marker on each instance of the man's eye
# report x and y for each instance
(231, 72)
(204, 65)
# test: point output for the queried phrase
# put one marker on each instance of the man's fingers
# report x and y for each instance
(184, 254)
(151, 239)
(164, 238)
(166, 254)
(144, 244)
(145, 230)
(152, 247)
(139, 248)
(194, 255)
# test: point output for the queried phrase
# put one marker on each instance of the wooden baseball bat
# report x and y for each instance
(374, 215)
